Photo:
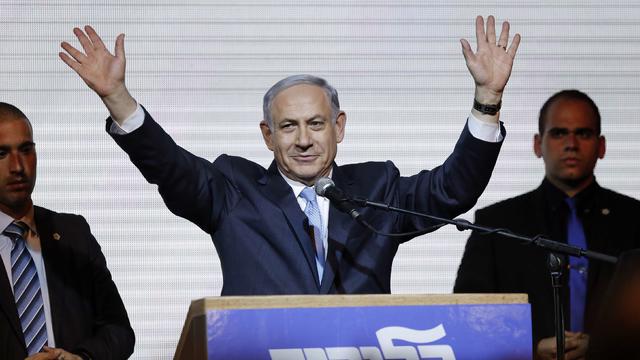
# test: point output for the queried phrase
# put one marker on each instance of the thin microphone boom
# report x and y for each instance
(327, 188)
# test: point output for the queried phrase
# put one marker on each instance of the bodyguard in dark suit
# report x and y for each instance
(273, 235)
(57, 298)
(570, 143)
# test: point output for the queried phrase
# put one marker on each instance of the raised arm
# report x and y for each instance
(103, 72)
(491, 64)
(191, 187)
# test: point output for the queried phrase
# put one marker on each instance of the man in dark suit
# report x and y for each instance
(57, 298)
(570, 143)
(273, 235)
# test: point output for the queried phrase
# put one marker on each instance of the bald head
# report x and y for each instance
(10, 112)
(18, 162)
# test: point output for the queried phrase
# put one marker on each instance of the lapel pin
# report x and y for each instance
(605, 211)
(56, 236)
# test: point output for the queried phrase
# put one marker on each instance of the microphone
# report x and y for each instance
(327, 188)
(343, 202)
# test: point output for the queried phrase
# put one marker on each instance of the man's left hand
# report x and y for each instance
(492, 62)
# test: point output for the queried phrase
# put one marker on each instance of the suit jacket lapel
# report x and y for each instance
(537, 222)
(8, 304)
(279, 192)
(51, 252)
(339, 223)
(599, 228)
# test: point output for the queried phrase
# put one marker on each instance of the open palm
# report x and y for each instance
(102, 71)
(491, 65)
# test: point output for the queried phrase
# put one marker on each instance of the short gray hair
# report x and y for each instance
(277, 88)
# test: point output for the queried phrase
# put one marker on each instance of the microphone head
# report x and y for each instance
(322, 185)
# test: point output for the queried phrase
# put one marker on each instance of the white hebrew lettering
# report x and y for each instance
(386, 337)
(370, 353)
(343, 353)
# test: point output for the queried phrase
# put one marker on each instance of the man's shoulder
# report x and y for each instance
(238, 164)
(45, 214)
(615, 198)
(366, 168)
(48, 212)
(510, 204)
(237, 161)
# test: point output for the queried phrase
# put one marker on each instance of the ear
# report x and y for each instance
(537, 145)
(267, 135)
(341, 122)
(602, 147)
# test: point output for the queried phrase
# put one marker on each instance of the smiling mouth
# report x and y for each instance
(305, 157)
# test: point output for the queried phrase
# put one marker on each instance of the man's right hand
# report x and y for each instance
(49, 353)
(575, 345)
(102, 71)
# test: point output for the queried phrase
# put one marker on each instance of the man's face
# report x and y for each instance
(17, 166)
(304, 139)
(570, 144)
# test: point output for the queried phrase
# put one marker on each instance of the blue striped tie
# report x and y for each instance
(315, 220)
(26, 291)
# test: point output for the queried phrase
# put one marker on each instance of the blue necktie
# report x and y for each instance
(578, 268)
(315, 221)
(26, 291)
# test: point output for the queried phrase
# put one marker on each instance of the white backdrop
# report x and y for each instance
(202, 67)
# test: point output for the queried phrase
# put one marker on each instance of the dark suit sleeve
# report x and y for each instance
(453, 187)
(111, 334)
(477, 271)
(190, 186)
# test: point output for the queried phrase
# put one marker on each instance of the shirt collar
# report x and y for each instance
(297, 186)
(28, 219)
(555, 196)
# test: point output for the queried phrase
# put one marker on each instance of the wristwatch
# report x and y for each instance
(489, 109)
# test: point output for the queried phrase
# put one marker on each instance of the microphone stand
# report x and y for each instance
(555, 262)
(461, 225)
(556, 265)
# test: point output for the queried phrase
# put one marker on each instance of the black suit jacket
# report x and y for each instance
(258, 227)
(88, 315)
(493, 264)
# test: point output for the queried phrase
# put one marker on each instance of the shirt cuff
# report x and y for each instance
(483, 130)
(129, 124)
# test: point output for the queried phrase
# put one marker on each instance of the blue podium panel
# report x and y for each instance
(467, 331)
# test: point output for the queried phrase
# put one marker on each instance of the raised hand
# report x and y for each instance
(491, 64)
(102, 71)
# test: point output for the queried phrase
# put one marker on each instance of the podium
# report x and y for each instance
(358, 327)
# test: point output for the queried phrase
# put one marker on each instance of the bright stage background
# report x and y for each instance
(202, 67)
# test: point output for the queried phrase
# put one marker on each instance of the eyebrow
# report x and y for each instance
(566, 128)
(314, 117)
(26, 143)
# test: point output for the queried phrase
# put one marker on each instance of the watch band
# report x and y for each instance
(489, 109)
